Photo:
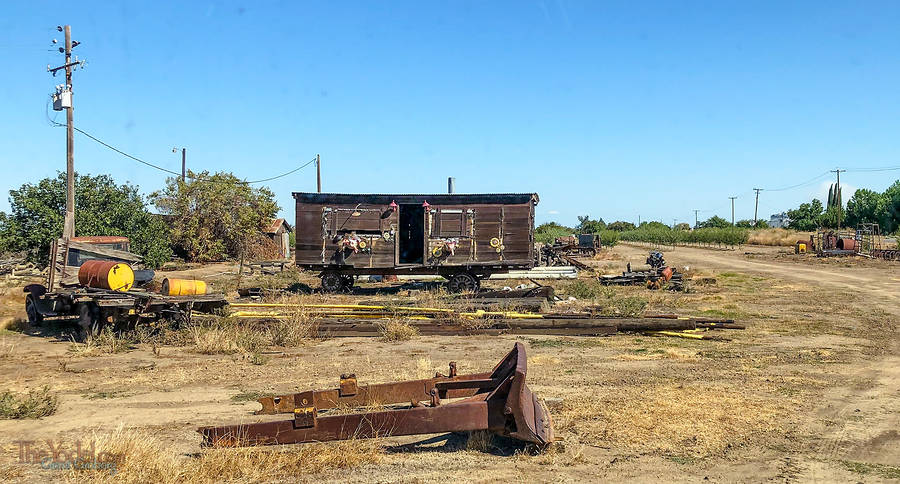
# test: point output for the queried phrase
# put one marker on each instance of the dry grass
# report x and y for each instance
(224, 337)
(480, 441)
(776, 237)
(694, 420)
(34, 404)
(9, 472)
(138, 456)
(299, 327)
(107, 342)
(396, 329)
(7, 349)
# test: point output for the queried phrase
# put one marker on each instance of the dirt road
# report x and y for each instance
(879, 280)
(856, 422)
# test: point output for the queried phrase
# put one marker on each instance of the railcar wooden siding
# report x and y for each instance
(472, 221)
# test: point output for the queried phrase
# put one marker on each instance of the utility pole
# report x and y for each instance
(674, 220)
(732, 210)
(63, 100)
(838, 197)
(696, 219)
(450, 182)
(756, 207)
(183, 163)
(318, 174)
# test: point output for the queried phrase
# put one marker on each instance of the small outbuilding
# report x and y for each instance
(280, 233)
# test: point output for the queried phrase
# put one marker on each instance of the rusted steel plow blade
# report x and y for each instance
(498, 401)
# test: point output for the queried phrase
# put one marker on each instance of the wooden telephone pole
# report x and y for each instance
(65, 100)
(732, 210)
(318, 174)
(756, 207)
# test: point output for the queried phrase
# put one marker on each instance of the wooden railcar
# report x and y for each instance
(461, 237)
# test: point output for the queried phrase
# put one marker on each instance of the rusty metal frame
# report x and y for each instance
(498, 401)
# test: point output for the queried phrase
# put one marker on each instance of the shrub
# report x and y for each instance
(730, 236)
(397, 330)
(548, 232)
(609, 238)
(35, 404)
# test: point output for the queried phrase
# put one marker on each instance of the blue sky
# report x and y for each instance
(616, 110)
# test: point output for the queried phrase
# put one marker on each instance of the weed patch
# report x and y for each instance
(248, 397)
(139, 456)
(397, 330)
(865, 468)
(299, 327)
(34, 404)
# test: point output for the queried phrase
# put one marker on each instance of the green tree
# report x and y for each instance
(548, 232)
(715, 222)
(101, 208)
(620, 226)
(653, 224)
(683, 226)
(214, 217)
(807, 216)
(745, 224)
(889, 209)
(761, 224)
(863, 207)
(834, 197)
(588, 226)
(830, 217)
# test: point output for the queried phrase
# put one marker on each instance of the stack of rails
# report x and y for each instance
(338, 320)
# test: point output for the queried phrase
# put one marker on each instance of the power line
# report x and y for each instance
(135, 158)
(868, 170)
(808, 182)
(284, 174)
(126, 154)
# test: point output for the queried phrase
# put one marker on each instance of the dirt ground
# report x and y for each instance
(810, 391)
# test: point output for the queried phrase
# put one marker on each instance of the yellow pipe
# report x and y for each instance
(260, 314)
(676, 334)
(339, 306)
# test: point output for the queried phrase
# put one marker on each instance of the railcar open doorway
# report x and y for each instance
(412, 234)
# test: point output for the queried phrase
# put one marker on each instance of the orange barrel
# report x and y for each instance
(846, 244)
(183, 287)
(667, 273)
(106, 274)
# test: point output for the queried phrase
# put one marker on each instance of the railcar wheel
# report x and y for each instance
(332, 282)
(89, 320)
(34, 317)
(463, 282)
(347, 282)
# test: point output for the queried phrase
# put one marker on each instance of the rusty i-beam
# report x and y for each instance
(498, 401)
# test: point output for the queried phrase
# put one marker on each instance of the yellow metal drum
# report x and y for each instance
(183, 287)
(106, 274)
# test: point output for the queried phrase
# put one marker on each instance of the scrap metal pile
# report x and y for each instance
(498, 401)
(866, 241)
(563, 250)
(657, 276)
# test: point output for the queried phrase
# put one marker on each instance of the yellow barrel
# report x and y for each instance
(106, 274)
(801, 248)
(183, 287)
